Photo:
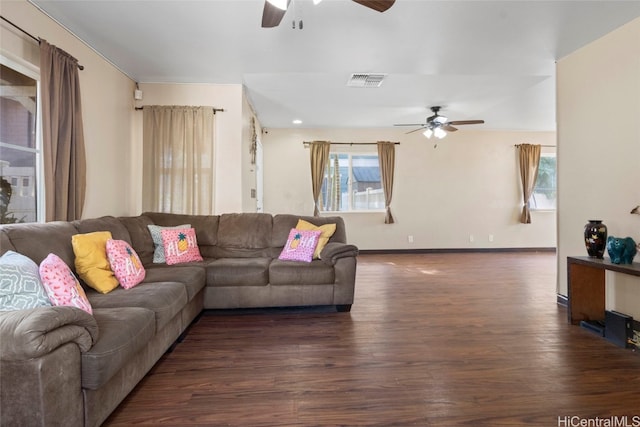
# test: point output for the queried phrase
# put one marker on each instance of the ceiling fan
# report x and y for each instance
(438, 126)
(274, 10)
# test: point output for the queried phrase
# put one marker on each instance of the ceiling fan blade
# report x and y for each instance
(449, 128)
(466, 122)
(410, 124)
(415, 130)
(272, 15)
(379, 5)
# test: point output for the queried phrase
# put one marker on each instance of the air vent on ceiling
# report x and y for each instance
(366, 79)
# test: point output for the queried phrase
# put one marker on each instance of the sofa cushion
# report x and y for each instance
(192, 277)
(20, 284)
(91, 260)
(206, 227)
(125, 263)
(5, 243)
(124, 331)
(282, 223)
(300, 245)
(158, 243)
(105, 223)
(61, 284)
(295, 273)
(37, 241)
(141, 239)
(244, 235)
(165, 299)
(238, 272)
(180, 246)
(327, 231)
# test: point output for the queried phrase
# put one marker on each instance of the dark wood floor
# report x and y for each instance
(434, 339)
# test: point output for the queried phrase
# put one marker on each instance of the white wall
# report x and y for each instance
(599, 151)
(249, 184)
(469, 185)
(113, 129)
(229, 129)
(107, 103)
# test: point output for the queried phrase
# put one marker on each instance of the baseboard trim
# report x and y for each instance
(452, 250)
(562, 300)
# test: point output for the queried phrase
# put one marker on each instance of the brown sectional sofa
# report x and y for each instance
(60, 366)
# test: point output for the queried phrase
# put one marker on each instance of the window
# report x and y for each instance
(352, 183)
(19, 144)
(544, 193)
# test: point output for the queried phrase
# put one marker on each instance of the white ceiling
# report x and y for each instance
(491, 60)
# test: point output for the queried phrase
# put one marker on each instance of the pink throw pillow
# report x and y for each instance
(125, 263)
(180, 245)
(300, 245)
(61, 284)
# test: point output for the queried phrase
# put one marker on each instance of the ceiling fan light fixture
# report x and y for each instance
(437, 125)
(280, 4)
(439, 133)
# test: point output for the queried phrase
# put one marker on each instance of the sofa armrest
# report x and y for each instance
(333, 251)
(28, 334)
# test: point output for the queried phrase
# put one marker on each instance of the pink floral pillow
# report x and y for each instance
(180, 245)
(300, 245)
(125, 263)
(61, 284)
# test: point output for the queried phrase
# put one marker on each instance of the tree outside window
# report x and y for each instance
(352, 183)
(544, 193)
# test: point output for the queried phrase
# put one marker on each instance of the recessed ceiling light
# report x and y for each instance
(297, 122)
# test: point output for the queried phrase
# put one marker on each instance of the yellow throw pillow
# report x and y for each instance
(92, 264)
(327, 232)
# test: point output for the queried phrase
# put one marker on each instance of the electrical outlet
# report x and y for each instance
(491, 237)
(410, 238)
(471, 238)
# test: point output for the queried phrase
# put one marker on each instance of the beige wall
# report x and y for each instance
(107, 103)
(229, 150)
(599, 151)
(469, 185)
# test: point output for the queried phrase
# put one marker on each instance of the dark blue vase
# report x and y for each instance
(595, 238)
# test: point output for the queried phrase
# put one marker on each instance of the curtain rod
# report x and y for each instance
(349, 143)
(215, 110)
(550, 146)
(80, 67)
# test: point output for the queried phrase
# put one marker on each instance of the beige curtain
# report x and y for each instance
(319, 156)
(65, 173)
(386, 157)
(529, 159)
(178, 148)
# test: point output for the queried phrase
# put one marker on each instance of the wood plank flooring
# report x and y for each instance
(432, 340)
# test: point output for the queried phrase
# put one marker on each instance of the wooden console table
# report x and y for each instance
(586, 286)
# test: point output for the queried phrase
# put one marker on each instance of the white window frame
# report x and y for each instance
(536, 209)
(350, 155)
(33, 72)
